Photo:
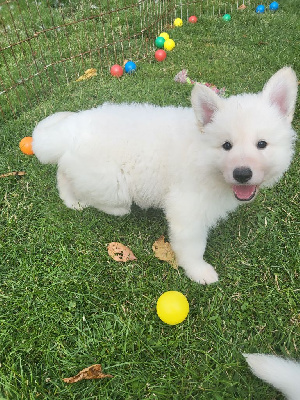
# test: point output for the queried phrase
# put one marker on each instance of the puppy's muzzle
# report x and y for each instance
(243, 191)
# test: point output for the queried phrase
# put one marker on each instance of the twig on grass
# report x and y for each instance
(15, 173)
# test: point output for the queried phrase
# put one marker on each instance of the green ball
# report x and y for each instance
(159, 42)
(226, 17)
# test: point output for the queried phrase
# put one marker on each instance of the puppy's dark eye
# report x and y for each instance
(227, 146)
(262, 144)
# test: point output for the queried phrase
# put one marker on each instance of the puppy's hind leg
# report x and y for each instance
(66, 192)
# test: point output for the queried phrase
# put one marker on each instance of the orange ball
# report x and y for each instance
(26, 145)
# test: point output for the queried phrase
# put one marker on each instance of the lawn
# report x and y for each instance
(65, 304)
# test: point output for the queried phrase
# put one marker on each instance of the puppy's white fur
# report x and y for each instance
(283, 374)
(173, 158)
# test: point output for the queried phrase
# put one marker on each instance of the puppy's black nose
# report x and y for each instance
(242, 174)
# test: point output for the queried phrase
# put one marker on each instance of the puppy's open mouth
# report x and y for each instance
(244, 192)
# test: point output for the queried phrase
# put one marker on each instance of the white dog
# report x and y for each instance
(283, 374)
(197, 164)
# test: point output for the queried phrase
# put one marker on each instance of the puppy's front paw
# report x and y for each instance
(202, 273)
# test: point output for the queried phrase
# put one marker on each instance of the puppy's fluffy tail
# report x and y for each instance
(283, 374)
(51, 138)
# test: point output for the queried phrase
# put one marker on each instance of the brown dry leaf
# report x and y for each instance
(119, 252)
(242, 7)
(92, 372)
(15, 173)
(89, 73)
(163, 251)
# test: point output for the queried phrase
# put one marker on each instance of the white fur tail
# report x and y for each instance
(283, 374)
(50, 139)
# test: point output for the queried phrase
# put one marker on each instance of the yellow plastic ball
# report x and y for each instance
(172, 307)
(178, 22)
(169, 45)
(165, 35)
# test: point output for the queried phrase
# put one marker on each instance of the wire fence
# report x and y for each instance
(51, 42)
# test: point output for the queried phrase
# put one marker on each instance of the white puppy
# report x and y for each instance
(283, 374)
(197, 164)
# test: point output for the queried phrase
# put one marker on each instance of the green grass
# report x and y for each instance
(64, 304)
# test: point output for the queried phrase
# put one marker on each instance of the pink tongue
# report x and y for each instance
(244, 192)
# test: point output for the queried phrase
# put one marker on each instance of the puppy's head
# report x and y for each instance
(249, 136)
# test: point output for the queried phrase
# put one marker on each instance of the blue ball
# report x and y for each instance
(260, 9)
(130, 67)
(274, 6)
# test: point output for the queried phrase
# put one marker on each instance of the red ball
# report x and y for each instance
(160, 55)
(193, 19)
(116, 70)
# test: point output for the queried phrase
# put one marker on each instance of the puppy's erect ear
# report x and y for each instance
(205, 103)
(281, 91)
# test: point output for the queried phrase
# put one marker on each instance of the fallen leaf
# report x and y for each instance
(15, 173)
(119, 252)
(163, 251)
(92, 372)
(89, 73)
(242, 7)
